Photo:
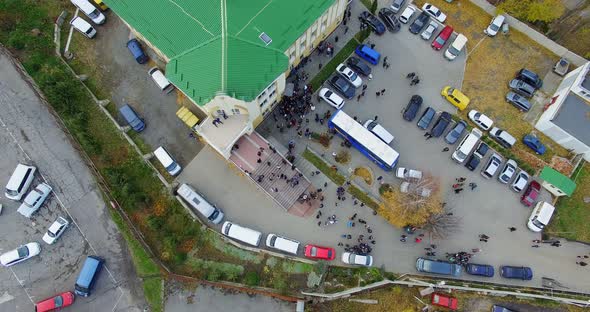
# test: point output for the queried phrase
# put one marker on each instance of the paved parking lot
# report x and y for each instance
(489, 209)
(129, 82)
(29, 134)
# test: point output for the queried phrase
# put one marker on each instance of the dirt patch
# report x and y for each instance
(365, 174)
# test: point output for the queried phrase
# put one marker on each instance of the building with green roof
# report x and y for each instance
(556, 183)
(230, 57)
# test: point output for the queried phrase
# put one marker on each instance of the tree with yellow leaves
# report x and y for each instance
(412, 203)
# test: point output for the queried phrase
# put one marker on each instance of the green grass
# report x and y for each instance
(324, 167)
(328, 69)
(152, 289)
(145, 267)
(362, 196)
(572, 215)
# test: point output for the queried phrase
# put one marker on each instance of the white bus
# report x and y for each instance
(364, 140)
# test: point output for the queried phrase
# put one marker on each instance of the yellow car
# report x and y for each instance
(101, 5)
(455, 97)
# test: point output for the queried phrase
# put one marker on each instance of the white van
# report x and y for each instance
(495, 25)
(467, 145)
(89, 10)
(281, 243)
(19, 181)
(240, 233)
(540, 216)
(200, 204)
(379, 131)
(160, 80)
(83, 27)
(455, 48)
(167, 161)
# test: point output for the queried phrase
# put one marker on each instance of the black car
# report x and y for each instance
(521, 87)
(359, 66)
(389, 19)
(412, 108)
(473, 162)
(342, 86)
(373, 22)
(419, 23)
(426, 118)
(518, 101)
(530, 78)
(441, 124)
(482, 149)
(456, 132)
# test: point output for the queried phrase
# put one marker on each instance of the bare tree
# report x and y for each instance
(413, 202)
(440, 225)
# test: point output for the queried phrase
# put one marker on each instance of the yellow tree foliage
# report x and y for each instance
(411, 207)
(533, 10)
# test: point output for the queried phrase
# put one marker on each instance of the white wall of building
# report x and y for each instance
(570, 83)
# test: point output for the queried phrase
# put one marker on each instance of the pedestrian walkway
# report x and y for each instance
(270, 170)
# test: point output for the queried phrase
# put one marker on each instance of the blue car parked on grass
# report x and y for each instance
(480, 269)
(523, 273)
(534, 143)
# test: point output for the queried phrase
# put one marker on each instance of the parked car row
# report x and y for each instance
(18, 184)
(427, 27)
(94, 14)
(523, 87)
(452, 269)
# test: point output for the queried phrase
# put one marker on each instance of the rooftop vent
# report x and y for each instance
(264, 37)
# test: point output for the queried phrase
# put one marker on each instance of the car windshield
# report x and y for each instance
(343, 85)
(328, 94)
(440, 40)
(23, 251)
(460, 154)
(494, 27)
(314, 251)
(372, 125)
(59, 301)
(453, 51)
(538, 224)
(353, 76)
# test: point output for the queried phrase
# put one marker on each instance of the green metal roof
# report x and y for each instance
(214, 46)
(562, 182)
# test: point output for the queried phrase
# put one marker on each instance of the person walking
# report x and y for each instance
(473, 185)
(512, 229)
(358, 98)
(377, 93)
(535, 246)
(446, 149)
(382, 91)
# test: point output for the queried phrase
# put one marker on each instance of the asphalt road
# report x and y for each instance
(29, 134)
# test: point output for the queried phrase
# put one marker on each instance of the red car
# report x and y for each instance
(529, 196)
(442, 38)
(319, 252)
(444, 301)
(56, 302)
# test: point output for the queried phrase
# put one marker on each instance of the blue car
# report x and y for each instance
(534, 143)
(480, 269)
(456, 132)
(523, 273)
(137, 52)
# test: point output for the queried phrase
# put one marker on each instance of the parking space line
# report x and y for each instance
(475, 47)
(65, 209)
(120, 296)
(22, 285)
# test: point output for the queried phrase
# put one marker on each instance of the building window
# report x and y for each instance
(235, 111)
(263, 102)
(324, 25)
(292, 56)
(272, 94)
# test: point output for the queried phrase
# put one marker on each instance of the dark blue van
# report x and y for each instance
(88, 276)
(368, 54)
(137, 52)
(132, 118)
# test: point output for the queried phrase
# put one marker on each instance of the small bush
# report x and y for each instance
(343, 157)
(252, 279)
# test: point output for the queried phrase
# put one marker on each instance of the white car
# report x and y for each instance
(494, 26)
(20, 254)
(522, 179)
(407, 14)
(331, 98)
(34, 200)
(434, 12)
(508, 172)
(430, 29)
(350, 258)
(350, 75)
(481, 120)
(405, 173)
(56, 229)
